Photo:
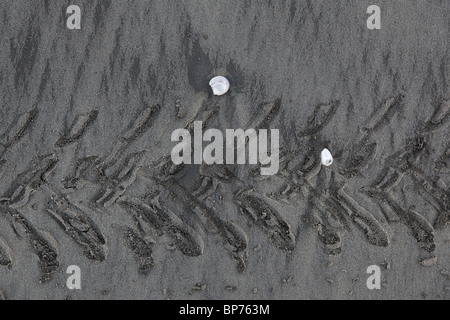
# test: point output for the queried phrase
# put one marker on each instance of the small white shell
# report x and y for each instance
(220, 85)
(327, 158)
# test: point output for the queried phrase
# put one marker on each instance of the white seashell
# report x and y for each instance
(327, 158)
(220, 85)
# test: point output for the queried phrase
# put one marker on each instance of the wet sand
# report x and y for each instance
(86, 179)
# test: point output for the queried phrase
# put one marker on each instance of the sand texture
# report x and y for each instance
(86, 177)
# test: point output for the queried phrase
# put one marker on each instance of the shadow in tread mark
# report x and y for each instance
(2, 163)
(142, 250)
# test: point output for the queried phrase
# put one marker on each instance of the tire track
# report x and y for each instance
(332, 202)
(116, 171)
(405, 162)
(16, 130)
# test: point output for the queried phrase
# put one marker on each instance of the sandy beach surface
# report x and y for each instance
(86, 178)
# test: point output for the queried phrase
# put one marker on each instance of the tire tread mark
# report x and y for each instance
(76, 130)
(267, 219)
(364, 220)
(142, 123)
(85, 169)
(79, 227)
(163, 221)
(119, 180)
(359, 159)
(327, 234)
(405, 161)
(420, 228)
(434, 195)
(36, 175)
(322, 115)
(258, 123)
(381, 116)
(17, 129)
(47, 254)
(232, 234)
(363, 152)
(205, 115)
(5, 256)
(438, 119)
